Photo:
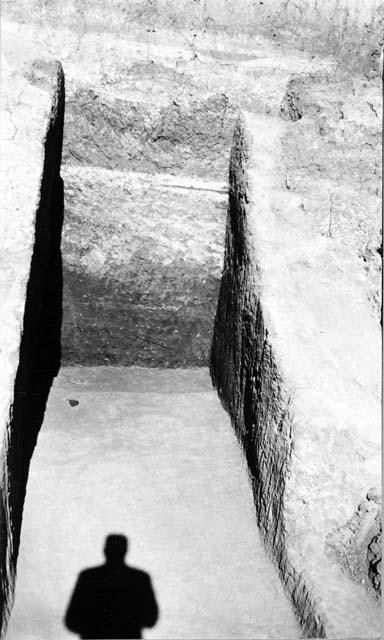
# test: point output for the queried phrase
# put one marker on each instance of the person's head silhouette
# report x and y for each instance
(115, 548)
(112, 600)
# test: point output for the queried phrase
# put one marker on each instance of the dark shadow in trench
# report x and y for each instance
(151, 315)
(112, 600)
(40, 348)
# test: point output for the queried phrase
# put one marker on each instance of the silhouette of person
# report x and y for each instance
(112, 600)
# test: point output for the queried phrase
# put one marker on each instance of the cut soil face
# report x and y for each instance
(143, 258)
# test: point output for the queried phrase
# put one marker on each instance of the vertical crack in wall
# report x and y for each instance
(40, 351)
(250, 387)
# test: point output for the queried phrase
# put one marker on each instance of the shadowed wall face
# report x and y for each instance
(244, 371)
(143, 236)
(40, 351)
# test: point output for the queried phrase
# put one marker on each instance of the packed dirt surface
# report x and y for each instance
(150, 454)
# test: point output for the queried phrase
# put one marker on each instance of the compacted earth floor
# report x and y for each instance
(149, 453)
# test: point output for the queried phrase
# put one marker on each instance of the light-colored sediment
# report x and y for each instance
(296, 361)
(151, 454)
(30, 272)
(153, 94)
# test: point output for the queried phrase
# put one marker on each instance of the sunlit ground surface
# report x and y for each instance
(151, 454)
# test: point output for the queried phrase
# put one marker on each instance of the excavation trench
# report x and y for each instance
(143, 448)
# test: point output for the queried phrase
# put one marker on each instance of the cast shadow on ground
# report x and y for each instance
(112, 600)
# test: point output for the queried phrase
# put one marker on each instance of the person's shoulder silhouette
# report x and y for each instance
(112, 600)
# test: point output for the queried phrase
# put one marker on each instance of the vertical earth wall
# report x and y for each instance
(300, 384)
(31, 357)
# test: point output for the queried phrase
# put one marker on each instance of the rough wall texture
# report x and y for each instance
(141, 270)
(301, 385)
(356, 545)
(332, 162)
(141, 283)
(153, 90)
(245, 374)
(33, 307)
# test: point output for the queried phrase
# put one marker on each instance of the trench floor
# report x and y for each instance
(151, 454)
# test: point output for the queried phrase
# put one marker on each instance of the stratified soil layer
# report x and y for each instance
(151, 104)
